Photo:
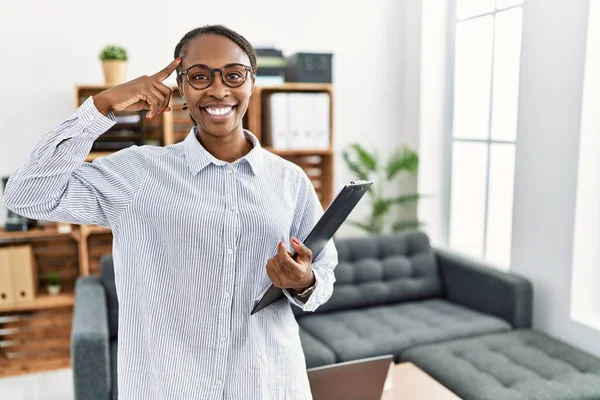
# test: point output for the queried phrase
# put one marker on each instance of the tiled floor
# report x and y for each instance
(54, 385)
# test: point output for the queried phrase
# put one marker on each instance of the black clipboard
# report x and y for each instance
(334, 216)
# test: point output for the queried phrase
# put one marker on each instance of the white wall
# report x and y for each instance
(435, 118)
(585, 284)
(550, 105)
(48, 47)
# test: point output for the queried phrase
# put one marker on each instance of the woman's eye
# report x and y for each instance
(199, 77)
(233, 76)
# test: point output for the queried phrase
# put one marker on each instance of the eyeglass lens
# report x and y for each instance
(200, 77)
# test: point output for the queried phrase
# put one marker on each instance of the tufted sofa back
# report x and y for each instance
(107, 274)
(383, 270)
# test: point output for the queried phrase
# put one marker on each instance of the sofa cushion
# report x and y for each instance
(107, 272)
(518, 365)
(392, 329)
(113, 370)
(315, 352)
(383, 270)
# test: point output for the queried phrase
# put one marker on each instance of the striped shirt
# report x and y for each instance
(191, 238)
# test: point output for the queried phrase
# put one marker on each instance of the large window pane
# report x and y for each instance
(467, 203)
(507, 50)
(500, 202)
(472, 78)
(501, 4)
(471, 8)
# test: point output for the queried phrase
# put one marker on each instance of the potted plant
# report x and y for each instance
(53, 283)
(114, 63)
(367, 165)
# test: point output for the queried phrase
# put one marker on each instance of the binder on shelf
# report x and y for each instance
(321, 104)
(298, 121)
(24, 274)
(277, 131)
(6, 289)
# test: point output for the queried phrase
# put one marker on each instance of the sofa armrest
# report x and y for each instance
(90, 341)
(480, 287)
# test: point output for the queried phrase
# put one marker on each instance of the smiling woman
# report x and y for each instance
(217, 105)
(200, 228)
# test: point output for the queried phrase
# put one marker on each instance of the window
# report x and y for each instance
(487, 47)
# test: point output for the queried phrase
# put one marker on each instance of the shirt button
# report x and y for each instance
(230, 251)
(219, 382)
(223, 339)
(229, 171)
(92, 118)
(226, 294)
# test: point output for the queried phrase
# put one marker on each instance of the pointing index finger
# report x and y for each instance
(168, 70)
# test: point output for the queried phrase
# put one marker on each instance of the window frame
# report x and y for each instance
(451, 139)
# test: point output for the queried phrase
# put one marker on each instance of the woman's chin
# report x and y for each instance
(219, 129)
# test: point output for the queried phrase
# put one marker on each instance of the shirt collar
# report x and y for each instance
(198, 157)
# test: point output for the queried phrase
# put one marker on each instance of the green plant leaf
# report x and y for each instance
(360, 161)
(360, 225)
(113, 52)
(53, 278)
(407, 198)
(404, 225)
(404, 159)
(368, 160)
(381, 207)
(356, 168)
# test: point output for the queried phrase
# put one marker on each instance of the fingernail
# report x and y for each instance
(295, 240)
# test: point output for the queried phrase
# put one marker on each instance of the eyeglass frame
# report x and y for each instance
(212, 74)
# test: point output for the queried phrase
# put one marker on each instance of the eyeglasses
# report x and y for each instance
(200, 76)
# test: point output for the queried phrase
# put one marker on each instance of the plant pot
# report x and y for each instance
(115, 71)
(53, 290)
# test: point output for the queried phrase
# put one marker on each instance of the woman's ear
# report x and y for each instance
(253, 84)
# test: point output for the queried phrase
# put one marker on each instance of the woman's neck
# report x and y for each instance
(229, 148)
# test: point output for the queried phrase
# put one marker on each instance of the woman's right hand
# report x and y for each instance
(143, 93)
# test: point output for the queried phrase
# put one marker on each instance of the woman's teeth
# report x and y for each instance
(218, 110)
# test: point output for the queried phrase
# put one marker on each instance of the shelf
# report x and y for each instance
(42, 301)
(300, 152)
(58, 360)
(298, 87)
(100, 87)
(48, 232)
(87, 230)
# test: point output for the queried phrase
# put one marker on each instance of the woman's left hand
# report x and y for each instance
(287, 273)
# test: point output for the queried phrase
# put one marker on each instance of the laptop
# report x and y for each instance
(352, 380)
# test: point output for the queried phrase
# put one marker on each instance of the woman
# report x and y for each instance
(200, 229)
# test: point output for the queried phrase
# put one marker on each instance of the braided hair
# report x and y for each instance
(238, 39)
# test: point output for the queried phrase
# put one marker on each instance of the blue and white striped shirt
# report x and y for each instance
(192, 235)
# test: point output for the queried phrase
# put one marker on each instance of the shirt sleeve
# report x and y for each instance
(307, 214)
(56, 183)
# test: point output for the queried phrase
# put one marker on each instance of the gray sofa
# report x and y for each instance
(393, 294)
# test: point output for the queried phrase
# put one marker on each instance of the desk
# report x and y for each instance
(411, 383)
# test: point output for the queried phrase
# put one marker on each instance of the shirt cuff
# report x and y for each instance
(309, 305)
(93, 120)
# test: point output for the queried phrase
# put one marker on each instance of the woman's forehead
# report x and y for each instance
(214, 51)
